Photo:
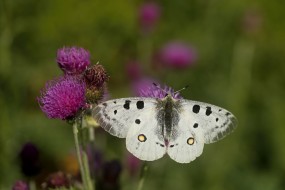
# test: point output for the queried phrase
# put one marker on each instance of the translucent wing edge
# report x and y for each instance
(98, 114)
(225, 129)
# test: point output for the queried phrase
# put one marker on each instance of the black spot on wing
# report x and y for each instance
(217, 119)
(208, 111)
(195, 125)
(196, 108)
(171, 146)
(115, 112)
(162, 145)
(140, 104)
(127, 104)
(137, 121)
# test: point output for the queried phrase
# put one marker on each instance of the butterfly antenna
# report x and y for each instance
(157, 86)
(184, 88)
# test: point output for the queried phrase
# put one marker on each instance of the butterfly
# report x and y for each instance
(154, 127)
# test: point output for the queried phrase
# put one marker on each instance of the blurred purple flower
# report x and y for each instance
(29, 158)
(106, 173)
(62, 97)
(56, 180)
(20, 185)
(73, 60)
(110, 176)
(95, 157)
(146, 88)
(133, 69)
(177, 55)
(149, 14)
(133, 164)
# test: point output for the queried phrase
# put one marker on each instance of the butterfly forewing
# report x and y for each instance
(116, 116)
(215, 121)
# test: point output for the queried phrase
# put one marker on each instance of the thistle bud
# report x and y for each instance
(95, 76)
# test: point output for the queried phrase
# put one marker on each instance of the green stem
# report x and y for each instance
(78, 152)
(87, 171)
(142, 176)
(91, 134)
(32, 185)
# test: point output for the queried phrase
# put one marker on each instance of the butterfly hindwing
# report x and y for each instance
(135, 120)
(115, 116)
(215, 121)
(144, 138)
(187, 141)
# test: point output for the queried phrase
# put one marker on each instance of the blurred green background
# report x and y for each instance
(240, 66)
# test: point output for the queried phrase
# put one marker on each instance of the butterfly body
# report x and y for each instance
(154, 127)
(167, 116)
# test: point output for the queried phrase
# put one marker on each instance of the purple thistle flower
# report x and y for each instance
(146, 88)
(63, 97)
(149, 14)
(73, 60)
(20, 185)
(177, 55)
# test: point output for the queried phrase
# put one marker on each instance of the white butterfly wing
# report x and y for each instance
(115, 115)
(135, 120)
(144, 139)
(215, 121)
(187, 141)
(199, 123)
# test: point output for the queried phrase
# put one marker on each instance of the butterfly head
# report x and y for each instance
(169, 97)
